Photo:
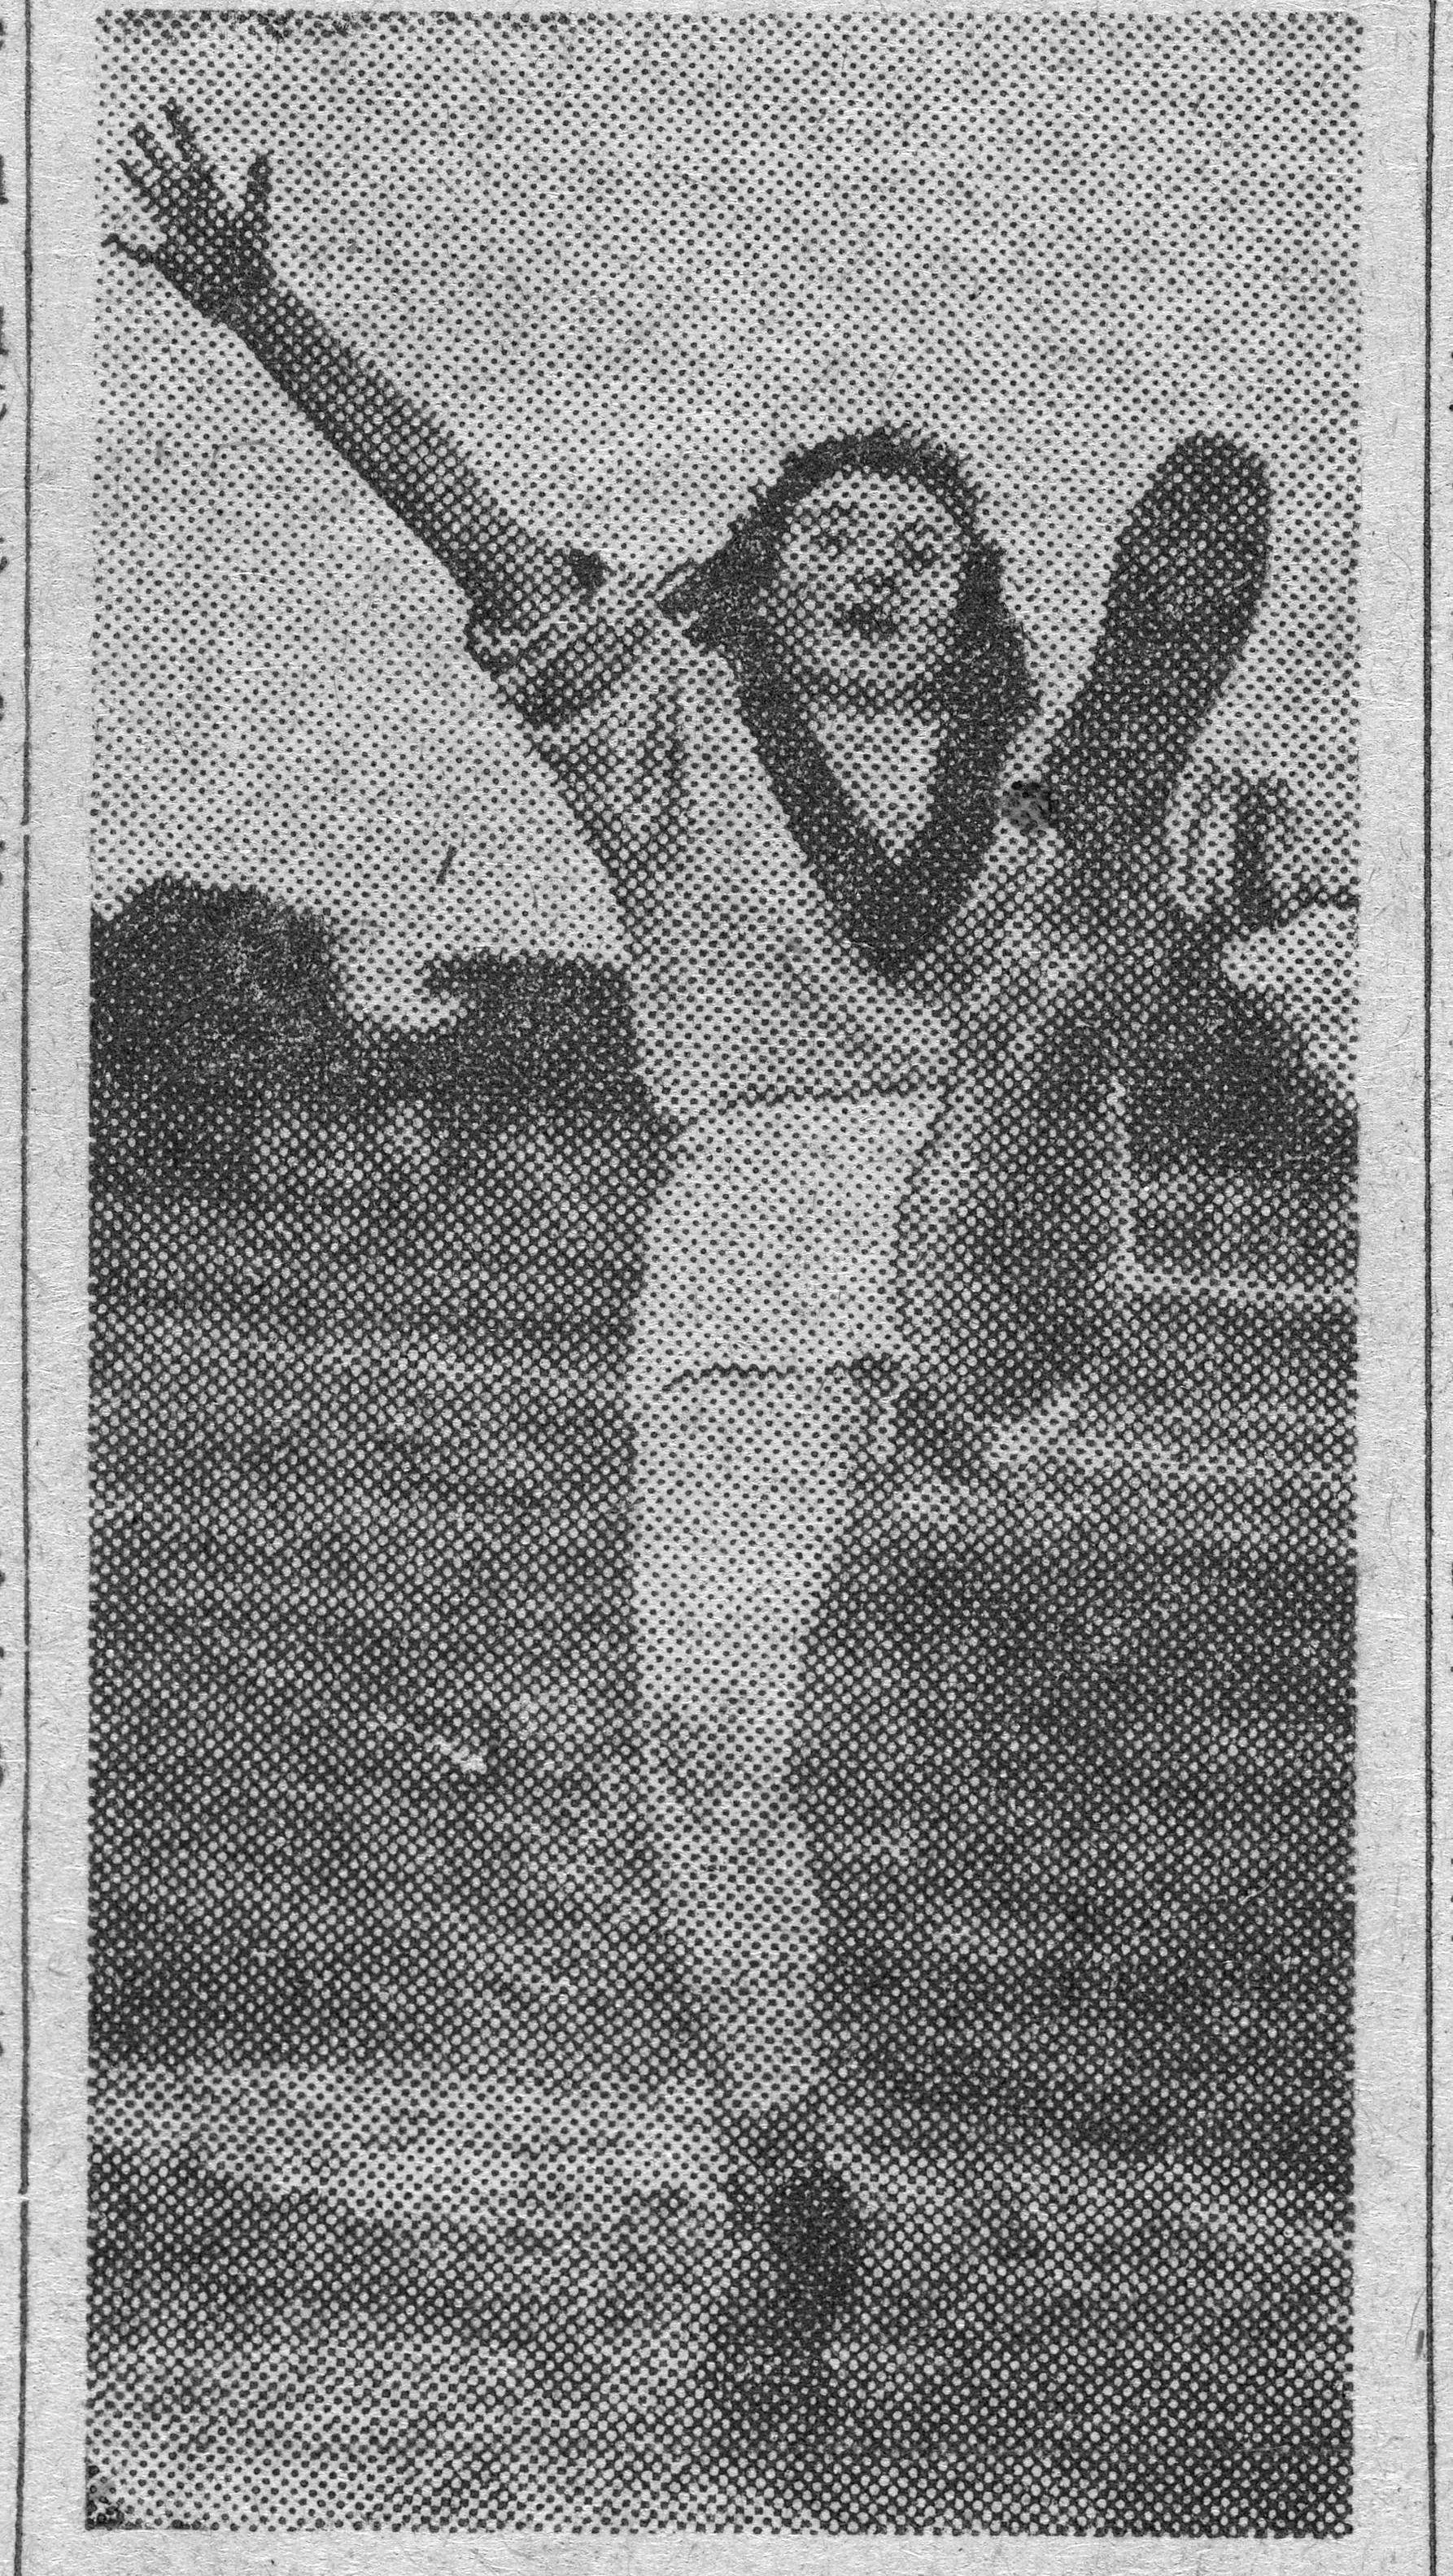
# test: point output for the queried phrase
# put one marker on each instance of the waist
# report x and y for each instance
(772, 1243)
(765, 1138)
(769, 1023)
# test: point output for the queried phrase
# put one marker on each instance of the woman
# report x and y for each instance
(790, 762)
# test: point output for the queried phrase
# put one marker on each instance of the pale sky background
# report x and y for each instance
(632, 261)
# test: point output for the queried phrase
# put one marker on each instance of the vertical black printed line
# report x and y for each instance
(22, 2338)
(1430, 1882)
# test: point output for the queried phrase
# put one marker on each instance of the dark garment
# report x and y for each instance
(893, 908)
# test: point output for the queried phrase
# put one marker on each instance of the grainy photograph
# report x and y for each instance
(723, 1233)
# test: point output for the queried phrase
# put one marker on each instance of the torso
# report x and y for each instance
(886, 760)
(779, 884)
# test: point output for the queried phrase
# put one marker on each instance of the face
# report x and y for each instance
(862, 608)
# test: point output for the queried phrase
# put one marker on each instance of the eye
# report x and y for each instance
(828, 541)
(918, 555)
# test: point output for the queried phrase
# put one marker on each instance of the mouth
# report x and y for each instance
(870, 625)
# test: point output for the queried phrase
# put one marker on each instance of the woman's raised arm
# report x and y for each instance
(217, 256)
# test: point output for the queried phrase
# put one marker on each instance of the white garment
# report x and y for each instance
(772, 1244)
(744, 985)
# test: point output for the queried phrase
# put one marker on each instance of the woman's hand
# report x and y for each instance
(1305, 973)
(214, 255)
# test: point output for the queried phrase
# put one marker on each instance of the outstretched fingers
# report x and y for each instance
(257, 194)
(145, 141)
(143, 185)
(184, 131)
(139, 251)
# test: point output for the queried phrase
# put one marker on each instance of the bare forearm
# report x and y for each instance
(415, 467)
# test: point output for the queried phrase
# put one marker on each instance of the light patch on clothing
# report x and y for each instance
(772, 1244)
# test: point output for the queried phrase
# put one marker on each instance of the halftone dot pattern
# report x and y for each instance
(723, 1260)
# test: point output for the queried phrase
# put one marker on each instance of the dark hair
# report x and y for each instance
(988, 671)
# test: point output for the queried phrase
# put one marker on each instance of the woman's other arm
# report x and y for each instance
(217, 257)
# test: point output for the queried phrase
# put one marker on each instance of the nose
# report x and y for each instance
(877, 573)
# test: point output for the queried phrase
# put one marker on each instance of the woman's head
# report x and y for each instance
(863, 601)
(863, 575)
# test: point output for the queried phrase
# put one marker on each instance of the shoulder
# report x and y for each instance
(613, 630)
